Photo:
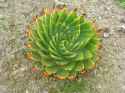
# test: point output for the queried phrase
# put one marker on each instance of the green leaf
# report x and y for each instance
(51, 69)
(80, 56)
(88, 64)
(87, 54)
(70, 66)
(62, 73)
(79, 66)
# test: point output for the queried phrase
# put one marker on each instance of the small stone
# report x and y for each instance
(45, 91)
(59, 3)
(99, 86)
(123, 87)
(18, 71)
(99, 18)
(27, 91)
(106, 35)
(121, 28)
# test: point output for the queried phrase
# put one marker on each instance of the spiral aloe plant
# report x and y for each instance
(62, 44)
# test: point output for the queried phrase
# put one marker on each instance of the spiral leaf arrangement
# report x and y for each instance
(62, 44)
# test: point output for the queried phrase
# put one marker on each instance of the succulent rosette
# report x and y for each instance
(62, 44)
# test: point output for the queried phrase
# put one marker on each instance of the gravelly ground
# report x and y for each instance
(15, 74)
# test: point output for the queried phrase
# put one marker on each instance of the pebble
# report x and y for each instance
(59, 3)
(99, 86)
(45, 91)
(121, 28)
(106, 35)
(21, 70)
(106, 31)
(123, 87)
(99, 18)
(27, 91)
(69, 4)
